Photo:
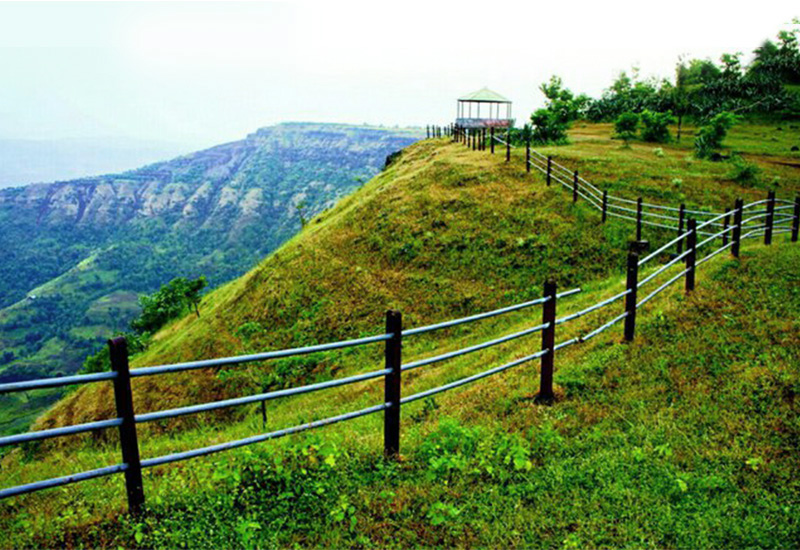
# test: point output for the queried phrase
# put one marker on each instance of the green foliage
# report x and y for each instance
(708, 139)
(626, 126)
(548, 127)
(655, 126)
(551, 123)
(171, 301)
(743, 172)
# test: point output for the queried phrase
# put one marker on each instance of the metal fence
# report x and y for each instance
(392, 338)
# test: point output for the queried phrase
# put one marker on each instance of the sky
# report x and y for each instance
(202, 73)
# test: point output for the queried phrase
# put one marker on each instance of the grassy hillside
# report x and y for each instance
(446, 232)
(685, 438)
(443, 232)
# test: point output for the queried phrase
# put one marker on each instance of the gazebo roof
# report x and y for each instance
(485, 95)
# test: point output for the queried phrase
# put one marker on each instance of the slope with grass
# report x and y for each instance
(666, 442)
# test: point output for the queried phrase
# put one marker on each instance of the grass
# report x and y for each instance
(481, 234)
(685, 438)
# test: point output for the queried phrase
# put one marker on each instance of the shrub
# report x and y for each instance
(710, 136)
(655, 126)
(626, 126)
(743, 172)
(548, 127)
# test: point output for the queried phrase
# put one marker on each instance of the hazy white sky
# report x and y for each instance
(204, 73)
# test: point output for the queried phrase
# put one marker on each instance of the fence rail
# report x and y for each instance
(392, 338)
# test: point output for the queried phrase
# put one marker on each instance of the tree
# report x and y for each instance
(626, 126)
(550, 124)
(655, 126)
(680, 94)
(709, 138)
(169, 302)
(301, 209)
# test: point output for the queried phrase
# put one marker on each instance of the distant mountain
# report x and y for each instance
(77, 253)
(25, 161)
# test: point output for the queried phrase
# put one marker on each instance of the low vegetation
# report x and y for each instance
(451, 232)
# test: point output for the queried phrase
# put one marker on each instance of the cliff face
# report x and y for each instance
(265, 174)
(84, 248)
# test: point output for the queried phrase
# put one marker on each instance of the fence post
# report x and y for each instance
(726, 223)
(508, 145)
(392, 381)
(545, 394)
(639, 219)
(796, 220)
(737, 228)
(549, 168)
(483, 139)
(691, 257)
(491, 139)
(123, 398)
(631, 284)
(427, 131)
(770, 217)
(528, 155)
(575, 186)
(605, 205)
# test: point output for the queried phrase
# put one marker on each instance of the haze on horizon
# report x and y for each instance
(198, 74)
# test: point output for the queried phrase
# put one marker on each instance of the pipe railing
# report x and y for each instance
(121, 375)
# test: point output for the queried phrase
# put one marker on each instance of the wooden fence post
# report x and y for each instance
(528, 155)
(549, 168)
(605, 205)
(392, 381)
(575, 186)
(123, 398)
(681, 224)
(631, 283)
(737, 228)
(770, 223)
(545, 394)
(726, 222)
(491, 139)
(639, 219)
(483, 139)
(508, 145)
(796, 220)
(691, 257)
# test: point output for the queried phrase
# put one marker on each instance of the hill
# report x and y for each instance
(445, 232)
(78, 253)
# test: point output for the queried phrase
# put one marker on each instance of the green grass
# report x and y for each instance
(685, 438)
(446, 232)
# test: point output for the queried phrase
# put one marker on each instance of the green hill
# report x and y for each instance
(694, 422)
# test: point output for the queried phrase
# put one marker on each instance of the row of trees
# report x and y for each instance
(701, 90)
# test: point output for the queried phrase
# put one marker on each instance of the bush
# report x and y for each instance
(626, 126)
(548, 127)
(655, 126)
(709, 138)
(743, 172)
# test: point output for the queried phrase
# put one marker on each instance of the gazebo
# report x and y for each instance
(494, 107)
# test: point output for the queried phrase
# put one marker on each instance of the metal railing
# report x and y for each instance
(647, 213)
(392, 338)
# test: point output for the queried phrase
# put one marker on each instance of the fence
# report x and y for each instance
(392, 338)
